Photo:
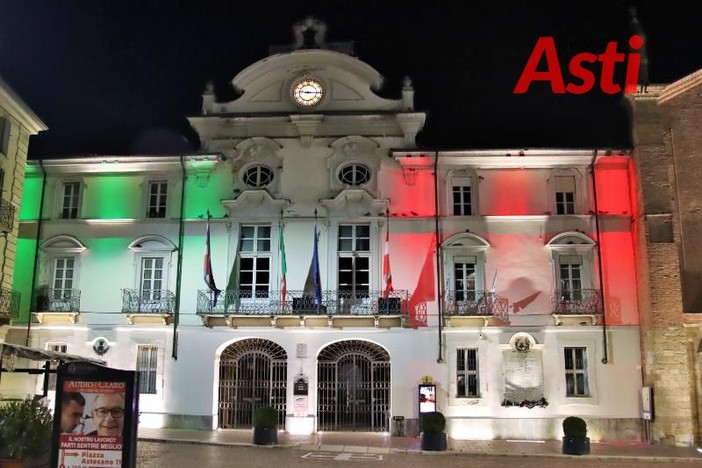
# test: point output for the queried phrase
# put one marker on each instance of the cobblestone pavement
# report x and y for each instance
(385, 444)
(197, 455)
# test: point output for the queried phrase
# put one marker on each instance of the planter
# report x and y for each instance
(433, 441)
(265, 436)
(576, 446)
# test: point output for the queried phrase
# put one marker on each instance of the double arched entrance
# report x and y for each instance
(353, 384)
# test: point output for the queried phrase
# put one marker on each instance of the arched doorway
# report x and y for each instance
(353, 392)
(252, 373)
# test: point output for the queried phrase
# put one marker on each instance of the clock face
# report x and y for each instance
(307, 92)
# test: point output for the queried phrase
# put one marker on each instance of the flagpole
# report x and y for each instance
(282, 272)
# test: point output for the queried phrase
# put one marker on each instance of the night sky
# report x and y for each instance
(119, 77)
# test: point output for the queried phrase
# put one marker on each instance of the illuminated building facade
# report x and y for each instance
(514, 285)
(17, 124)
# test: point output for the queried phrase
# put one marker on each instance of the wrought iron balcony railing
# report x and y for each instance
(472, 303)
(576, 301)
(264, 302)
(9, 302)
(7, 215)
(56, 300)
(147, 301)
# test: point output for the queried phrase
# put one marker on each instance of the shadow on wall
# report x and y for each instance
(523, 284)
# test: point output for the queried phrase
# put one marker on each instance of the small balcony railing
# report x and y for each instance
(56, 300)
(9, 303)
(576, 302)
(7, 216)
(264, 302)
(147, 301)
(475, 303)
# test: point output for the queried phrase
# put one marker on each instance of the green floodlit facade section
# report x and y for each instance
(116, 196)
(112, 197)
(31, 198)
(199, 199)
(24, 267)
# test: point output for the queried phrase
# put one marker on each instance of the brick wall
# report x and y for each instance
(665, 135)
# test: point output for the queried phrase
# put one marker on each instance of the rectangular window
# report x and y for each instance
(576, 372)
(570, 277)
(467, 372)
(2, 180)
(254, 261)
(151, 278)
(461, 197)
(354, 260)
(464, 278)
(71, 198)
(147, 366)
(565, 194)
(64, 268)
(4, 135)
(158, 194)
(59, 348)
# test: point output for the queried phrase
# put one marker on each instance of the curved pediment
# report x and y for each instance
(349, 84)
(63, 244)
(465, 241)
(152, 243)
(569, 239)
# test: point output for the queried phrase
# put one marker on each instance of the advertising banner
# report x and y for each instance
(95, 417)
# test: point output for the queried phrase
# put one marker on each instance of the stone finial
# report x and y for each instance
(208, 98)
(310, 24)
(407, 83)
(407, 94)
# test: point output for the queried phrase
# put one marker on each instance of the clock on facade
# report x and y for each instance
(307, 92)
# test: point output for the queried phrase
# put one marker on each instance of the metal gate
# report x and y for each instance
(252, 373)
(353, 392)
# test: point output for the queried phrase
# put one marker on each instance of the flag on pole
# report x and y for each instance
(387, 276)
(315, 271)
(313, 284)
(283, 266)
(209, 278)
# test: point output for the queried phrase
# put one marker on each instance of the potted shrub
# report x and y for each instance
(265, 421)
(433, 436)
(575, 439)
(25, 430)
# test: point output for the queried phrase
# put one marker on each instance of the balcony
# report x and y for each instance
(576, 306)
(148, 306)
(9, 305)
(236, 308)
(56, 305)
(475, 308)
(7, 216)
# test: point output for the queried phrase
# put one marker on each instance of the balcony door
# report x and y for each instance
(151, 278)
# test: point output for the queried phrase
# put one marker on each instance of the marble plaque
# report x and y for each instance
(524, 376)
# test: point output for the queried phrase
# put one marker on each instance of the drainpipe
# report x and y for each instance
(605, 359)
(439, 292)
(179, 268)
(36, 251)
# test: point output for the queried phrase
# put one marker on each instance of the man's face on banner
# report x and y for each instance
(70, 416)
(108, 414)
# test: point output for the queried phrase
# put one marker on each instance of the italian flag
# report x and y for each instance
(387, 276)
(283, 267)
